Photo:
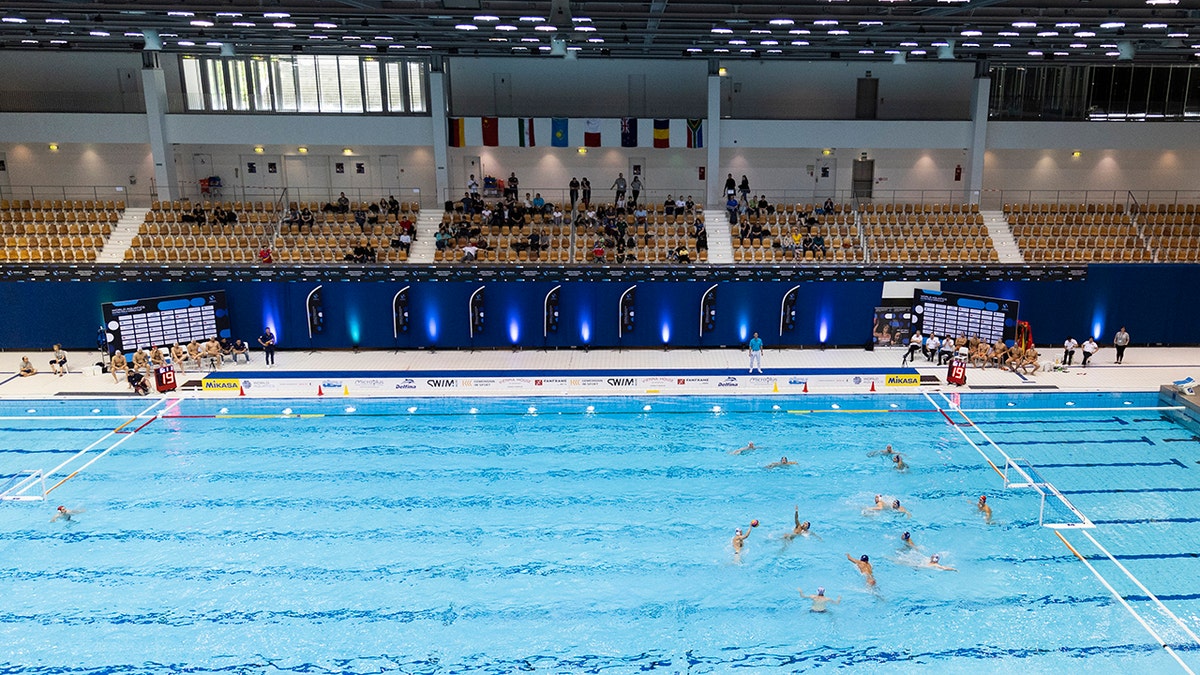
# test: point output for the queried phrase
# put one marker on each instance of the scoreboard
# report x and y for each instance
(134, 324)
(954, 314)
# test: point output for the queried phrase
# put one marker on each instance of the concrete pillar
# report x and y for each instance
(439, 104)
(973, 171)
(712, 144)
(154, 89)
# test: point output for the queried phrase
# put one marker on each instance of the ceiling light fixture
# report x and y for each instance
(487, 17)
(782, 22)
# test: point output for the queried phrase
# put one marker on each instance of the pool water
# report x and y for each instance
(497, 536)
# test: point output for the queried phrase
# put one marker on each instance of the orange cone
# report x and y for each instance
(320, 391)
(872, 385)
(241, 392)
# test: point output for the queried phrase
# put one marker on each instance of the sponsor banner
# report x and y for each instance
(369, 384)
(407, 384)
(903, 380)
(621, 381)
(221, 384)
(441, 383)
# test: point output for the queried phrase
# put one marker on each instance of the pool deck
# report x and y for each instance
(609, 372)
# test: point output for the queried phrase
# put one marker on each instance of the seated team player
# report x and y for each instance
(979, 354)
(212, 352)
(26, 369)
(141, 362)
(1029, 358)
(193, 353)
(999, 354)
(178, 356)
(1015, 355)
(239, 346)
(157, 360)
(118, 366)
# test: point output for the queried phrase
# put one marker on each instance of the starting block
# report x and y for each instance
(1187, 385)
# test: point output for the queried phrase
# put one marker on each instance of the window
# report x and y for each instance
(1120, 91)
(305, 83)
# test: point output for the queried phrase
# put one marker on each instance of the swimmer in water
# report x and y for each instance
(65, 513)
(935, 563)
(886, 451)
(900, 509)
(879, 504)
(801, 529)
(898, 462)
(819, 601)
(783, 461)
(739, 539)
(864, 565)
(984, 509)
(749, 447)
(907, 539)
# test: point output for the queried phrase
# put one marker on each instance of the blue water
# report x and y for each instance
(483, 536)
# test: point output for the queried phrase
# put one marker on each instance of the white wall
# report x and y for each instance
(35, 171)
(69, 81)
(828, 90)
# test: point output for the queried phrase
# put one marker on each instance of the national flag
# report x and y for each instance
(591, 133)
(525, 131)
(629, 132)
(456, 136)
(491, 131)
(662, 133)
(558, 132)
(695, 133)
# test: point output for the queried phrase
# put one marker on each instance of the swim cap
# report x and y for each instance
(904, 536)
(738, 531)
(935, 557)
(864, 558)
(895, 503)
(62, 508)
(820, 590)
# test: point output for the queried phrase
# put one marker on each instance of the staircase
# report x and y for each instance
(122, 236)
(1002, 238)
(720, 245)
(427, 224)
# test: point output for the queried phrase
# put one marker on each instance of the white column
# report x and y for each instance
(154, 89)
(712, 144)
(439, 104)
(973, 171)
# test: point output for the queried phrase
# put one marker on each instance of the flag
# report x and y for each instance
(456, 137)
(695, 129)
(558, 132)
(662, 133)
(629, 132)
(525, 130)
(491, 131)
(591, 133)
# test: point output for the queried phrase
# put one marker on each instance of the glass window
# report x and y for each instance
(416, 87)
(395, 86)
(193, 83)
(307, 83)
(1191, 104)
(239, 86)
(260, 83)
(215, 79)
(350, 74)
(287, 95)
(372, 85)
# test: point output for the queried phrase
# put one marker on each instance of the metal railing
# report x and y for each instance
(116, 193)
(296, 193)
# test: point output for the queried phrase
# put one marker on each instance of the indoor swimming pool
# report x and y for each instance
(593, 535)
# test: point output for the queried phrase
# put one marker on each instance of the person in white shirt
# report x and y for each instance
(931, 347)
(1069, 350)
(914, 346)
(469, 252)
(1089, 347)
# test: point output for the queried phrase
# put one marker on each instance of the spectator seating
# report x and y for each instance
(1172, 231)
(1076, 233)
(926, 233)
(56, 230)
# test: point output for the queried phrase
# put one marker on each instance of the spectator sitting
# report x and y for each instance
(827, 207)
(264, 256)
(639, 215)
(682, 254)
(598, 252)
(535, 241)
(292, 217)
(806, 242)
(343, 203)
(818, 244)
(557, 216)
(403, 242)
(702, 240)
(669, 206)
(440, 238)
(689, 206)
(470, 251)
(731, 206)
(307, 219)
(764, 206)
(360, 217)
(393, 205)
(538, 202)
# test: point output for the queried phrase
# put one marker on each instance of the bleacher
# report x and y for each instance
(1076, 233)
(656, 241)
(838, 229)
(56, 230)
(1171, 231)
(926, 233)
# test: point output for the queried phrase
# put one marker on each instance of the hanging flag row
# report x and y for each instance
(562, 132)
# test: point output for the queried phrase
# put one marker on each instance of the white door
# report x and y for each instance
(824, 179)
(261, 177)
(307, 178)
